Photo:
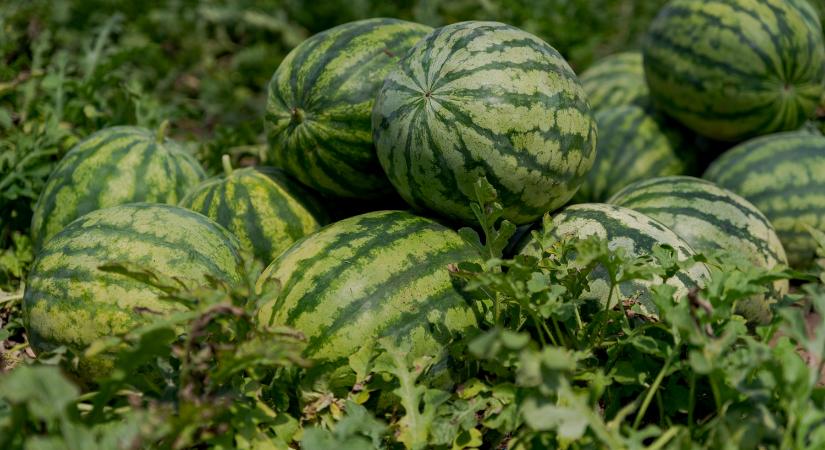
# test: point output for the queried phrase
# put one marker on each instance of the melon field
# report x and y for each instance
(428, 224)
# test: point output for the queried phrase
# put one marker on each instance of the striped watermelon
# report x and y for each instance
(378, 274)
(734, 69)
(114, 166)
(616, 80)
(320, 98)
(632, 146)
(479, 99)
(784, 176)
(710, 218)
(262, 207)
(70, 301)
(632, 231)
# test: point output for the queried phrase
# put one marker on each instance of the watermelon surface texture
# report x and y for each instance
(632, 146)
(114, 166)
(319, 104)
(632, 231)
(378, 274)
(264, 209)
(477, 99)
(735, 69)
(70, 301)
(616, 80)
(711, 218)
(783, 175)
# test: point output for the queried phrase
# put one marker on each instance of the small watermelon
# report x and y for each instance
(70, 301)
(616, 80)
(111, 167)
(262, 207)
(378, 274)
(710, 218)
(319, 104)
(735, 69)
(637, 234)
(477, 99)
(783, 175)
(633, 145)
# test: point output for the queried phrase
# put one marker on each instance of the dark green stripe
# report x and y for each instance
(418, 266)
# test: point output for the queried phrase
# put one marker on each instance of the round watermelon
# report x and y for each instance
(70, 301)
(616, 80)
(319, 103)
(632, 231)
(378, 274)
(783, 175)
(632, 146)
(484, 99)
(734, 69)
(710, 218)
(114, 166)
(262, 207)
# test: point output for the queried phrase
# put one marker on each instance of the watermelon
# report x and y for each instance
(633, 145)
(70, 301)
(710, 218)
(378, 274)
(782, 174)
(735, 69)
(114, 166)
(319, 103)
(632, 231)
(266, 210)
(616, 80)
(484, 99)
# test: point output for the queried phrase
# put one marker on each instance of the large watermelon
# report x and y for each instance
(637, 234)
(477, 99)
(734, 69)
(784, 176)
(616, 80)
(262, 207)
(378, 274)
(711, 218)
(633, 145)
(111, 167)
(70, 301)
(320, 98)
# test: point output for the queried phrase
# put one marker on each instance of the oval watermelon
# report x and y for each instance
(632, 146)
(711, 218)
(734, 69)
(319, 104)
(616, 80)
(264, 209)
(70, 301)
(477, 99)
(782, 174)
(637, 234)
(378, 274)
(114, 166)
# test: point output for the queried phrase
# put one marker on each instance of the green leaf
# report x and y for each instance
(568, 422)
(44, 391)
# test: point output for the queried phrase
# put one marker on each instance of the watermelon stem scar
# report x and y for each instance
(297, 115)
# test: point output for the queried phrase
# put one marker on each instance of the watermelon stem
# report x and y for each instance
(162, 131)
(226, 161)
(655, 387)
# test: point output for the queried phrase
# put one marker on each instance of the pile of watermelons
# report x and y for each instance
(382, 132)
